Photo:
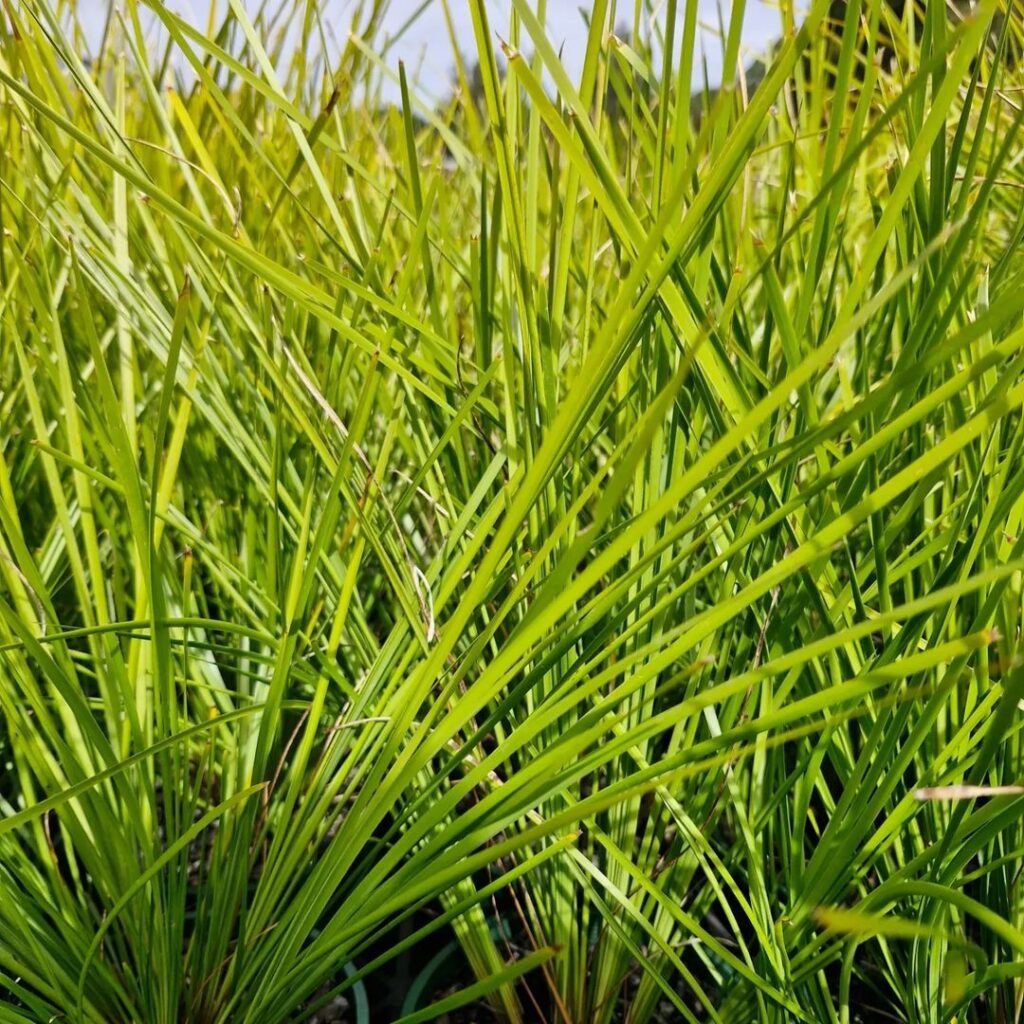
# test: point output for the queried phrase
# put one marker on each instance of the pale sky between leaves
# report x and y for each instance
(427, 53)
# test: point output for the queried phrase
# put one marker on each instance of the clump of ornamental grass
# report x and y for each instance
(576, 515)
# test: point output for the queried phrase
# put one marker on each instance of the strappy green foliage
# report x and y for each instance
(582, 503)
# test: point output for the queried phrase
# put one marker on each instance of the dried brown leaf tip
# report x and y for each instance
(966, 792)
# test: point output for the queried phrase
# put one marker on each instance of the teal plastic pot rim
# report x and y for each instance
(418, 990)
(360, 1001)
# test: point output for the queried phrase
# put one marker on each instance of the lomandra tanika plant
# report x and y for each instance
(580, 518)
